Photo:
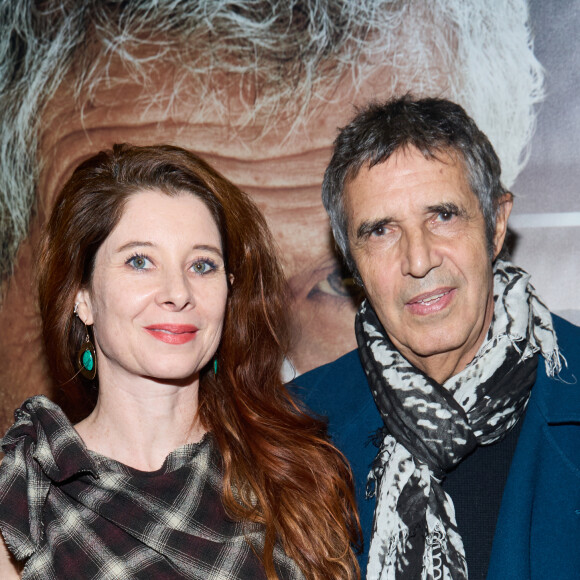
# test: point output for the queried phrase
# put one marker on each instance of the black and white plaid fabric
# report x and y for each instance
(73, 514)
(430, 428)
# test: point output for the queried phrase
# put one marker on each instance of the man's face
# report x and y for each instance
(417, 235)
(283, 175)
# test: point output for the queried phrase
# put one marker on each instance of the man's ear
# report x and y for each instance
(83, 306)
(504, 209)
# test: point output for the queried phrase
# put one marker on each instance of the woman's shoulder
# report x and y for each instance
(40, 448)
(42, 429)
(42, 434)
(31, 411)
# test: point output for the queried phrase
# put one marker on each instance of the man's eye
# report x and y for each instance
(378, 231)
(445, 216)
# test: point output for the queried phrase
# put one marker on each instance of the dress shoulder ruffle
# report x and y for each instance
(41, 448)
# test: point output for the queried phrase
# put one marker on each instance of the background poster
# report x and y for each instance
(546, 216)
(472, 51)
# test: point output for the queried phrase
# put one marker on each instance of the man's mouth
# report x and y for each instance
(431, 302)
(433, 298)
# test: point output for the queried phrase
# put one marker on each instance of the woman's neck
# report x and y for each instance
(139, 422)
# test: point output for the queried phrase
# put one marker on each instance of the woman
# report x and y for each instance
(159, 279)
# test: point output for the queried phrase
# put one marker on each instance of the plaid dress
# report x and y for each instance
(74, 514)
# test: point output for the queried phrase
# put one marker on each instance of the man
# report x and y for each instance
(257, 88)
(458, 359)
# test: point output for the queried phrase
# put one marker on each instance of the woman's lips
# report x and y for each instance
(172, 333)
(431, 302)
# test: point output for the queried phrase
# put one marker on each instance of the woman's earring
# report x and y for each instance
(215, 367)
(87, 358)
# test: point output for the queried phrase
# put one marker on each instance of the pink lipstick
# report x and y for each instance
(172, 333)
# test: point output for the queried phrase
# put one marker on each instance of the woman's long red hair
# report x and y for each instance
(279, 467)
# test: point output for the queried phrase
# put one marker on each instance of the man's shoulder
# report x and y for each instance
(346, 368)
(338, 390)
(567, 334)
(328, 380)
(559, 397)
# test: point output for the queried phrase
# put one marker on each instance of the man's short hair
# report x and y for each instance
(435, 127)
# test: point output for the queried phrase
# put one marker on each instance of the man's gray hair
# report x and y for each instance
(438, 128)
(290, 53)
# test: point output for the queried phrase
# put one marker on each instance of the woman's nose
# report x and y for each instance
(176, 291)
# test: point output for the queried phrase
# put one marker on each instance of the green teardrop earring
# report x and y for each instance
(87, 358)
(215, 367)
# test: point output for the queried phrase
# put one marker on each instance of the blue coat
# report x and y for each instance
(538, 530)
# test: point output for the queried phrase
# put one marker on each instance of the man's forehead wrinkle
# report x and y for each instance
(259, 168)
(209, 139)
(276, 167)
(111, 114)
(186, 105)
(236, 98)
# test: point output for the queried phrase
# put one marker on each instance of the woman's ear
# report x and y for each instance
(83, 306)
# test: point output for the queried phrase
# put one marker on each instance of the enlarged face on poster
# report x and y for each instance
(259, 92)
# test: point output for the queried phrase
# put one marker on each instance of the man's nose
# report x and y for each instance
(419, 253)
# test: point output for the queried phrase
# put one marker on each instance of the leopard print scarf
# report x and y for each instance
(431, 427)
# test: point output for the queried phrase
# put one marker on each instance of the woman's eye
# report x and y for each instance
(202, 267)
(139, 262)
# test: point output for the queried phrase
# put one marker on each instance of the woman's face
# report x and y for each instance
(158, 293)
